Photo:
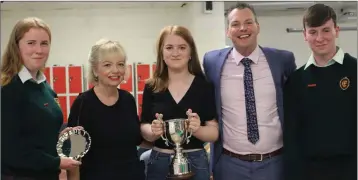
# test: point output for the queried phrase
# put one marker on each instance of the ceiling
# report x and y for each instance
(261, 6)
(14, 6)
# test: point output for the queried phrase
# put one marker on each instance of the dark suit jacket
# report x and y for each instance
(282, 64)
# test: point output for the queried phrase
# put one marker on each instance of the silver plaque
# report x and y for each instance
(74, 144)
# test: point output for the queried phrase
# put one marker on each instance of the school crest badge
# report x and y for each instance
(344, 83)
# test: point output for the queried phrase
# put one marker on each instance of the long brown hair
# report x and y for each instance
(159, 81)
(11, 61)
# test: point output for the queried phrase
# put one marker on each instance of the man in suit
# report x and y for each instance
(248, 82)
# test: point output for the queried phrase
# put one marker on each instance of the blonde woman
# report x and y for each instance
(110, 116)
(178, 89)
(30, 115)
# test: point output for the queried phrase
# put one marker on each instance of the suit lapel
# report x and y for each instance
(274, 65)
(217, 79)
(220, 63)
(276, 70)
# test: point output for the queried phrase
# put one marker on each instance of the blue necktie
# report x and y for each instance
(252, 127)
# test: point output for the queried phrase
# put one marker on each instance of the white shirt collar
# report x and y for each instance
(25, 75)
(338, 57)
(254, 56)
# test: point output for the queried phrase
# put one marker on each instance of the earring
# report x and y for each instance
(96, 78)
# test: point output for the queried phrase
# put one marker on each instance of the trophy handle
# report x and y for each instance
(165, 138)
(188, 137)
(186, 134)
(165, 134)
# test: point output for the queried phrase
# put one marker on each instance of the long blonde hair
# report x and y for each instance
(159, 81)
(11, 61)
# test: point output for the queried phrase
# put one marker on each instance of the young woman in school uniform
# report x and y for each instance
(30, 116)
(178, 89)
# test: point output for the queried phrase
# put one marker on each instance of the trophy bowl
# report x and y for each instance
(176, 133)
(74, 144)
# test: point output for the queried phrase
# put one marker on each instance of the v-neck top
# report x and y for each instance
(200, 98)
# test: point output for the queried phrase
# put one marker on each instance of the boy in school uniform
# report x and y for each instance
(320, 106)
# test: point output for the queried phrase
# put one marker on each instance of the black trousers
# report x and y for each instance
(338, 169)
(12, 177)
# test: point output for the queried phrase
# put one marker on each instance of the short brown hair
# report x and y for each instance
(317, 15)
(11, 61)
(241, 5)
(159, 81)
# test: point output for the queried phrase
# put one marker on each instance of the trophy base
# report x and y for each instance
(180, 177)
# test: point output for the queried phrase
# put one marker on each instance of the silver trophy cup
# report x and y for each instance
(176, 133)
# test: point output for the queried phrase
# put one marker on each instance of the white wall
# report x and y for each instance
(273, 34)
(137, 28)
(74, 31)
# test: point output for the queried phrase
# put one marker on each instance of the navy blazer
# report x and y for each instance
(282, 64)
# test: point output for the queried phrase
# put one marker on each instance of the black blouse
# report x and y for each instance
(200, 98)
(115, 134)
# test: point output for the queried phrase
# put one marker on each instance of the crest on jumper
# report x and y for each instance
(344, 83)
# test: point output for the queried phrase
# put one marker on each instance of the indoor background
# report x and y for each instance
(76, 26)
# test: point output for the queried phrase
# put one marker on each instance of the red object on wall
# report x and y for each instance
(75, 79)
(140, 101)
(128, 85)
(59, 79)
(63, 104)
(72, 99)
(47, 74)
(143, 73)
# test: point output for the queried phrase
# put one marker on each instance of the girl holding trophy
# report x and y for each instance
(30, 115)
(178, 90)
